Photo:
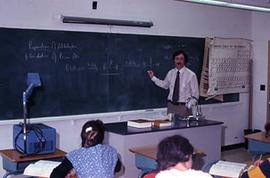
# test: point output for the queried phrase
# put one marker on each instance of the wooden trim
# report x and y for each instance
(150, 151)
(268, 86)
(259, 136)
(250, 101)
(14, 156)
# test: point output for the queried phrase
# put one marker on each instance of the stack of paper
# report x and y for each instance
(227, 169)
(139, 123)
(42, 168)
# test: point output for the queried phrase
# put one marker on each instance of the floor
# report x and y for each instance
(240, 155)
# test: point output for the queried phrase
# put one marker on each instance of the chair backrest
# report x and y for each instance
(150, 174)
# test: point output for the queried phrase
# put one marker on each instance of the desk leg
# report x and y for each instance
(12, 173)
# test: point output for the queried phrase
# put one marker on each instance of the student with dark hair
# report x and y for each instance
(174, 159)
(267, 129)
(93, 159)
(181, 82)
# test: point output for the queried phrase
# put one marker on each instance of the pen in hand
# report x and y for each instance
(255, 163)
(259, 161)
(260, 158)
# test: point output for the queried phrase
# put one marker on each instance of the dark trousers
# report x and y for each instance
(179, 109)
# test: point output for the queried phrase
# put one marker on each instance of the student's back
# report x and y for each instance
(174, 173)
(94, 162)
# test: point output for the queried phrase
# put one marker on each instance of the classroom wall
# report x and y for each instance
(169, 18)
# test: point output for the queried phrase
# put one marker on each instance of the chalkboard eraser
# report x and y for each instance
(149, 110)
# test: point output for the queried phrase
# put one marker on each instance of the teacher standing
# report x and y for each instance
(181, 82)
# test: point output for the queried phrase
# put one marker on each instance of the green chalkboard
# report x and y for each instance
(85, 72)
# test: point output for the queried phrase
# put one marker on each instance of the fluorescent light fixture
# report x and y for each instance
(85, 20)
(211, 2)
(231, 4)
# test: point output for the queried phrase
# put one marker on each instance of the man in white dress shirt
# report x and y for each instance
(181, 82)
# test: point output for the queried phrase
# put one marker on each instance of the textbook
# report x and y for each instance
(162, 123)
(42, 168)
(139, 123)
(227, 169)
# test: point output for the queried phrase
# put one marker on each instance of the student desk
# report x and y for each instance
(15, 163)
(145, 158)
(203, 134)
(258, 143)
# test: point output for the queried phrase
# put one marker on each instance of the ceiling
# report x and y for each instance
(254, 5)
(260, 3)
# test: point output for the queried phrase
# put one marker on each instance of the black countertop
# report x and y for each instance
(121, 128)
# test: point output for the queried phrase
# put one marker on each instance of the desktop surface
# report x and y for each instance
(15, 162)
(121, 128)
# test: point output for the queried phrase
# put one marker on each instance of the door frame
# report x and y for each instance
(268, 87)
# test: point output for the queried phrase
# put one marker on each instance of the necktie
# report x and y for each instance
(175, 97)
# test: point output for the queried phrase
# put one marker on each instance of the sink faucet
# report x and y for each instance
(193, 103)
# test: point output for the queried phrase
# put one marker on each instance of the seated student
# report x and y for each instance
(174, 159)
(261, 169)
(267, 129)
(93, 159)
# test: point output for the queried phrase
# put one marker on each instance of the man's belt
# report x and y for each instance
(176, 103)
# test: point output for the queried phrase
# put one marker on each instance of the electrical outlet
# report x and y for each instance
(94, 5)
(262, 87)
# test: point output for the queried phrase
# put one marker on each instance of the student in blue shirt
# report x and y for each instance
(93, 159)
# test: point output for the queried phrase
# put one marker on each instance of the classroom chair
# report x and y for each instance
(151, 174)
(144, 164)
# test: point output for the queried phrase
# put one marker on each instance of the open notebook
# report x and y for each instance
(227, 169)
(42, 168)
